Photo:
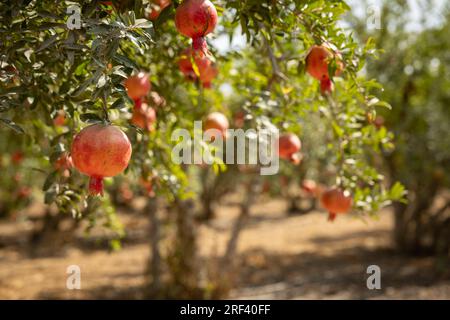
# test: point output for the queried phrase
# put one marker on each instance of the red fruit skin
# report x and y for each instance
(326, 86)
(144, 117)
(157, 6)
(310, 186)
(206, 68)
(138, 86)
(60, 119)
(288, 145)
(317, 62)
(17, 157)
(196, 18)
(336, 202)
(100, 151)
(218, 121)
(185, 65)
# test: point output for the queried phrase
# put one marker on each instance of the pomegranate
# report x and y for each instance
(326, 86)
(195, 19)
(138, 86)
(64, 164)
(379, 122)
(206, 68)
(144, 117)
(218, 121)
(100, 151)
(185, 65)
(23, 192)
(157, 6)
(239, 119)
(309, 186)
(288, 147)
(336, 201)
(60, 119)
(17, 157)
(317, 62)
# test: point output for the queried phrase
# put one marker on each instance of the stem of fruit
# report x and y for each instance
(96, 186)
(138, 103)
(199, 45)
(331, 216)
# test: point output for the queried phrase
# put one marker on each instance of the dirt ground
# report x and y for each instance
(279, 257)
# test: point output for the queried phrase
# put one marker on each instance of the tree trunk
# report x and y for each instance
(154, 262)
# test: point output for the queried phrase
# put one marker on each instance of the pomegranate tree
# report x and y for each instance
(100, 151)
(195, 19)
(289, 146)
(336, 201)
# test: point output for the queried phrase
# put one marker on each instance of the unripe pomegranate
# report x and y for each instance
(100, 151)
(218, 121)
(138, 86)
(288, 147)
(326, 86)
(144, 117)
(336, 201)
(318, 60)
(195, 19)
(157, 6)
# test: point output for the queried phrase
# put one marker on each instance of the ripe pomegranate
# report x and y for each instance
(185, 65)
(147, 184)
(206, 68)
(218, 121)
(64, 164)
(336, 201)
(239, 119)
(309, 186)
(326, 86)
(288, 147)
(318, 60)
(157, 6)
(144, 117)
(379, 122)
(23, 192)
(60, 119)
(100, 151)
(195, 19)
(138, 86)
(17, 157)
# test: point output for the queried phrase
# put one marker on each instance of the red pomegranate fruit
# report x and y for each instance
(157, 6)
(138, 86)
(100, 151)
(206, 68)
(195, 19)
(144, 117)
(218, 121)
(336, 201)
(309, 186)
(288, 147)
(326, 86)
(318, 60)
(60, 119)
(64, 164)
(17, 157)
